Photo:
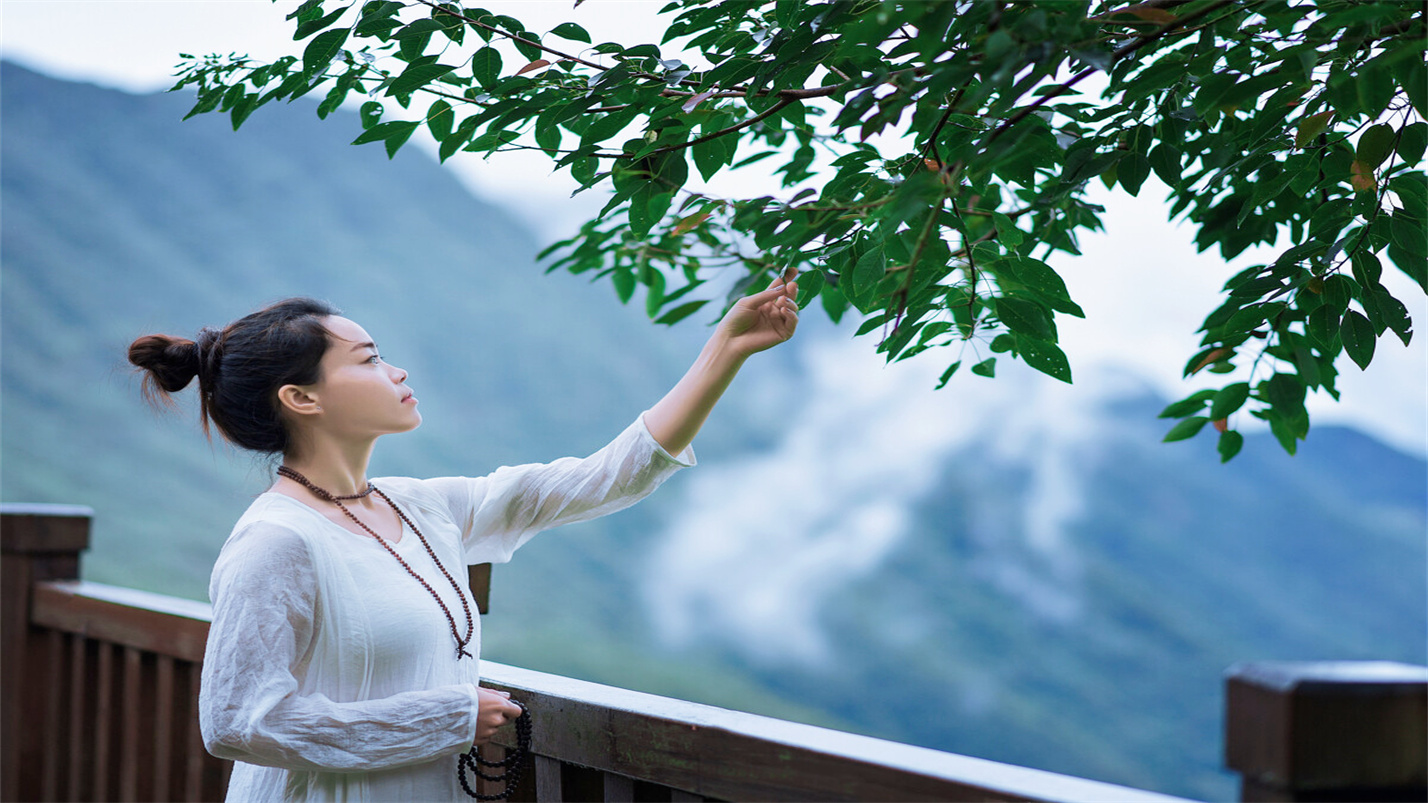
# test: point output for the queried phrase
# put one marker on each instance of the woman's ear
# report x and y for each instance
(298, 400)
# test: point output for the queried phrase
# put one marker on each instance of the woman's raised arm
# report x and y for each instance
(755, 323)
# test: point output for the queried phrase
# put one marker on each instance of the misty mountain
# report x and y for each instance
(1011, 569)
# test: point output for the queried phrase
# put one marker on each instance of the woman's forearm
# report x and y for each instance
(677, 418)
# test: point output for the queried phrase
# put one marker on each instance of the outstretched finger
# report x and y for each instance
(765, 296)
(783, 278)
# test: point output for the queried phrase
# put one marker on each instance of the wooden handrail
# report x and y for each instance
(698, 749)
(152, 623)
(731, 755)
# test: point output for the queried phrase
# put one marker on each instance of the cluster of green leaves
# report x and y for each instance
(934, 154)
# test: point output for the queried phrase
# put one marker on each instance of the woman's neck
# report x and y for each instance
(336, 467)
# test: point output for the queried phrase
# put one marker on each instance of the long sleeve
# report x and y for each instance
(250, 706)
(499, 512)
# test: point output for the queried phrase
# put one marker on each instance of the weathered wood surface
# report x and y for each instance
(149, 622)
(1328, 730)
(729, 755)
(37, 542)
(101, 686)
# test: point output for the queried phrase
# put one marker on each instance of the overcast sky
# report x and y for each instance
(1143, 286)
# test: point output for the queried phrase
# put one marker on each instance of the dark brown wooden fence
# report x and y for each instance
(100, 686)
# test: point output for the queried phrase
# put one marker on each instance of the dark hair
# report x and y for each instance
(240, 368)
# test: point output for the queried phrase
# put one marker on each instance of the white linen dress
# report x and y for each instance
(330, 674)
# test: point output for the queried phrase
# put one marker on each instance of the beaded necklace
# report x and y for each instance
(324, 494)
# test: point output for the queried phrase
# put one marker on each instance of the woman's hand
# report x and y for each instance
(762, 320)
(496, 710)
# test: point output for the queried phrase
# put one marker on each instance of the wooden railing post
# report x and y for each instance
(37, 542)
(1325, 731)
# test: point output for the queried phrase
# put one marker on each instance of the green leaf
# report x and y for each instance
(1188, 405)
(869, 270)
(1359, 338)
(1026, 317)
(1132, 172)
(1367, 269)
(399, 138)
(491, 140)
(381, 131)
(439, 118)
(417, 76)
(873, 322)
(1413, 77)
(608, 126)
(1041, 279)
(307, 9)
(1228, 400)
(641, 217)
(834, 303)
(371, 113)
(654, 297)
(681, 312)
(1408, 234)
(1188, 428)
(624, 281)
(458, 139)
(394, 134)
(243, 108)
(1375, 145)
(1007, 232)
(1339, 290)
(571, 31)
(1323, 325)
(1387, 311)
(1311, 127)
(987, 368)
(1165, 161)
(486, 66)
(311, 27)
(1412, 141)
(1284, 434)
(1285, 392)
(1230, 444)
(584, 169)
(947, 374)
(712, 155)
(526, 44)
(414, 38)
(1045, 357)
(322, 50)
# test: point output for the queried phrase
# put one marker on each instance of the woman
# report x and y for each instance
(342, 659)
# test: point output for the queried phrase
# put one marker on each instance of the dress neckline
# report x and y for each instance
(398, 544)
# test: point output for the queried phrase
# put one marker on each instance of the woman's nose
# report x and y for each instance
(399, 375)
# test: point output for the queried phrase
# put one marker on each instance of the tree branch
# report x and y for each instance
(772, 110)
(1120, 53)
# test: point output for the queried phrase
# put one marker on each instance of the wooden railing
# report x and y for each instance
(100, 690)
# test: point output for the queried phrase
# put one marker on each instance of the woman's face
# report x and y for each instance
(360, 395)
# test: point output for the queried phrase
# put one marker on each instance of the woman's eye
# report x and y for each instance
(374, 358)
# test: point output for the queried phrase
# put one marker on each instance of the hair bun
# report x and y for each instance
(170, 363)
